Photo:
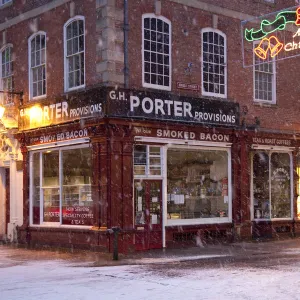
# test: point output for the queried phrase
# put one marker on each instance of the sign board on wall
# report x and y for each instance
(212, 136)
(188, 86)
(170, 107)
(131, 104)
(273, 141)
(66, 109)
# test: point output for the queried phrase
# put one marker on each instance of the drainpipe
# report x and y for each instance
(126, 29)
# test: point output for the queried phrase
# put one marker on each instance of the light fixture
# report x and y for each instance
(2, 110)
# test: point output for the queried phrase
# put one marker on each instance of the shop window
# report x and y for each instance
(156, 52)
(37, 65)
(214, 63)
(264, 73)
(61, 187)
(6, 74)
(298, 187)
(271, 185)
(197, 185)
(3, 2)
(147, 160)
(74, 37)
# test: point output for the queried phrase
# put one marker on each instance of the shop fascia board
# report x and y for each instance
(59, 144)
(269, 147)
(171, 142)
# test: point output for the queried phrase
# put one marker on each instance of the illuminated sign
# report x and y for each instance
(267, 27)
(129, 104)
(278, 37)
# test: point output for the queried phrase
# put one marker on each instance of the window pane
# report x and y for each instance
(213, 63)
(77, 195)
(36, 188)
(140, 155)
(280, 185)
(156, 43)
(197, 184)
(75, 53)
(50, 181)
(261, 195)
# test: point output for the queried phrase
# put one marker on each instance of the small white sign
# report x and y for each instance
(140, 207)
(154, 199)
(225, 199)
(153, 219)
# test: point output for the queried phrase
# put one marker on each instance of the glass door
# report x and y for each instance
(148, 214)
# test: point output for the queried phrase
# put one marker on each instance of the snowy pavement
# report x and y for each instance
(58, 277)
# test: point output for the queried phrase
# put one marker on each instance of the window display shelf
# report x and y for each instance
(79, 194)
(73, 195)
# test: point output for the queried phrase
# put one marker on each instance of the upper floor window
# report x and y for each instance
(37, 65)
(6, 74)
(74, 53)
(214, 63)
(264, 73)
(156, 52)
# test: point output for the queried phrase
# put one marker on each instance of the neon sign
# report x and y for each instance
(272, 45)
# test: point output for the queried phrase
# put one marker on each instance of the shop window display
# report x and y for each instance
(197, 184)
(61, 187)
(271, 185)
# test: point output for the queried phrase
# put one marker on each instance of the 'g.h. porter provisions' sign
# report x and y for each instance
(129, 104)
(159, 106)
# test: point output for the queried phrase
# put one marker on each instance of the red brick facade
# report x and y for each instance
(113, 139)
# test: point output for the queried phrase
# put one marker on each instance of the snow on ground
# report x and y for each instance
(60, 280)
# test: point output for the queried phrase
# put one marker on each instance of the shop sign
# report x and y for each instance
(78, 215)
(130, 104)
(52, 112)
(273, 141)
(182, 134)
(73, 215)
(188, 86)
(59, 136)
(170, 107)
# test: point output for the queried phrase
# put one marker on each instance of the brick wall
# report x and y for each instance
(186, 47)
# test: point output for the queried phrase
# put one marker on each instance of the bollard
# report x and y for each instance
(115, 231)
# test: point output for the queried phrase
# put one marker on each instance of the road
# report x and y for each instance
(269, 270)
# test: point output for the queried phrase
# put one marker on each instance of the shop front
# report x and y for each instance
(182, 185)
(273, 185)
(160, 167)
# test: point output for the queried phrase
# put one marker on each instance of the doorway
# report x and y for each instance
(148, 214)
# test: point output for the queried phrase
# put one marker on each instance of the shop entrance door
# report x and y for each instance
(148, 214)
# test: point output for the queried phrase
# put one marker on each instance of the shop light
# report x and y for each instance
(36, 113)
(2, 110)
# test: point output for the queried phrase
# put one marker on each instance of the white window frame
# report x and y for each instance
(66, 60)
(273, 101)
(3, 95)
(198, 221)
(271, 150)
(211, 94)
(147, 166)
(60, 185)
(30, 68)
(150, 85)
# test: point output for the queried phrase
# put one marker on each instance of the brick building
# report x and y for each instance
(155, 117)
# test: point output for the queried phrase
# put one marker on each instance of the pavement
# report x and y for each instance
(254, 253)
